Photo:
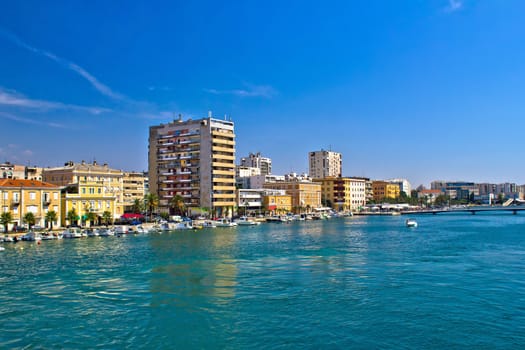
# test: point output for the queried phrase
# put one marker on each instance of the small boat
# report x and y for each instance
(209, 224)
(72, 232)
(411, 223)
(31, 236)
(106, 232)
(243, 221)
(225, 222)
(8, 239)
(142, 229)
(121, 229)
(93, 232)
(1, 248)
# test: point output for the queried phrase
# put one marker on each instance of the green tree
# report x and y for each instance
(165, 215)
(90, 217)
(138, 206)
(177, 204)
(5, 219)
(441, 200)
(106, 216)
(29, 219)
(72, 216)
(151, 201)
(51, 216)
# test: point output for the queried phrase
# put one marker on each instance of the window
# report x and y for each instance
(32, 196)
(83, 190)
(32, 209)
(55, 195)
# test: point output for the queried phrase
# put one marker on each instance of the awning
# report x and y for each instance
(131, 216)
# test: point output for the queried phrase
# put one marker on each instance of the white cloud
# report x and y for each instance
(265, 91)
(14, 99)
(102, 88)
(454, 5)
(29, 121)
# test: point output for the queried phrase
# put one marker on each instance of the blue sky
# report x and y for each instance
(420, 89)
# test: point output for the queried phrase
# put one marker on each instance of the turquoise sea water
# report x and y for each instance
(456, 281)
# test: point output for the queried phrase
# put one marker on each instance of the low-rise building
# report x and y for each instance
(383, 189)
(133, 189)
(277, 203)
(88, 188)
(305, 195)
(343, 193)
(20, 196)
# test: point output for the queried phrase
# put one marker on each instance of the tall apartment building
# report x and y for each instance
(194, 159)
(255, 160)
(89, 187)
(325, 164)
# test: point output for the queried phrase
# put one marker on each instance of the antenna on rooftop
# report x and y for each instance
(209, 114)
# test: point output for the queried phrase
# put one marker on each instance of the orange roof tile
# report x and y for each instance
(18, 183)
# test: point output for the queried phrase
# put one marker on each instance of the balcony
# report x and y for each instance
(15, 201)
(46, 202)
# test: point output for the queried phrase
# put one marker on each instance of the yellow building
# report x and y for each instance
(20, 197)
(343, 193)
(278, 203)
(305, 195)
(133, 189)
(88, 188)
(383, 189)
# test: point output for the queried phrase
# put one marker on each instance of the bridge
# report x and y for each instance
(472, 210)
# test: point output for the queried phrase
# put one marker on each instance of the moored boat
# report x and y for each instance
(72, 232)
(244, 221)
(225, 222)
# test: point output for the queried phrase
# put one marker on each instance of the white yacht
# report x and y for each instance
(243, 221)
(225, 222)
(72, 232)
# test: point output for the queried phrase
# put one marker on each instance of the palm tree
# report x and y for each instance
(72, 216)
(51, 216)
(5, 219)
(90, 217)
(29, 218)
(151, 200)
(106, 216)
(177, 203)
(138, 206)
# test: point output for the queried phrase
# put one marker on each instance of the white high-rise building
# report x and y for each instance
(325, 164)
(258, 161)
(404, 185)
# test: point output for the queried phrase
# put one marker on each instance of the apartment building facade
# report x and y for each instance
(133, 189)
(194, 159)
(256, 160)
(305, 195)
(384, 189)
(88, 187)
(325, 164)
(21, 196)
(343, 193)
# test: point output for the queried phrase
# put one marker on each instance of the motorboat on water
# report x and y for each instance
(106, 232)
(244, 221)
(72, 232)
(209, 224)
(225, 222)
(411, 223)
(31, 236)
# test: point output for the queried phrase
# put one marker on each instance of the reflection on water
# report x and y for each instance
(343, 283)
